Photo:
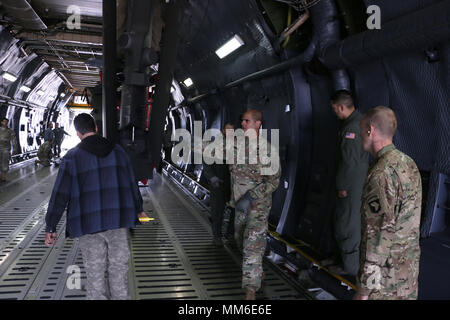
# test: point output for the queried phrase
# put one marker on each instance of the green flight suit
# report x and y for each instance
(353, 163)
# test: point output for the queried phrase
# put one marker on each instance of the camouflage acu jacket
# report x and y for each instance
(7, 137)
(251, 177)
(390, 218)
(45, 151)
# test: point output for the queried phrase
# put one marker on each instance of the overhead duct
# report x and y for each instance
(326, 28)
(326, 33)
(417, 30)
(23, 14)
(305, 56)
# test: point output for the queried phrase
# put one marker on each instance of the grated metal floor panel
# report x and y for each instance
(172, 256)
(216, 272)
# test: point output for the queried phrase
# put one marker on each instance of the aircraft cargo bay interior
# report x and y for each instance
(224, 150)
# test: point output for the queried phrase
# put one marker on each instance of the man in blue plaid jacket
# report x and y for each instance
(97, 186)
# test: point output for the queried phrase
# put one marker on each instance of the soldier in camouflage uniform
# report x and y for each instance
(391, 207)
(7, 137)
(353, 163)
(44, 153)
(252, 192)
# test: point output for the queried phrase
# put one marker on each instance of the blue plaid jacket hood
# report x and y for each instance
(100, 193)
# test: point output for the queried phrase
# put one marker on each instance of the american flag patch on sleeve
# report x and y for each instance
(350, 135)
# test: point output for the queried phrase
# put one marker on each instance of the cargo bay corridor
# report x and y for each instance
(172, 256)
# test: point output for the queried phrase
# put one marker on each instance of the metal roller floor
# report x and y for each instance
(172, 256)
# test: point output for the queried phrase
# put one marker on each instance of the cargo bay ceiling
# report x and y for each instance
(48, 29)
(209, 24)
(44, 27)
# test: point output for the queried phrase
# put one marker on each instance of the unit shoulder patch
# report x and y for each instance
(375, 206)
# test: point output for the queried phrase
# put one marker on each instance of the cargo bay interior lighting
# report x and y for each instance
(40, 92)
(188, 82)
(231, 45)
(25, 89)
(9, 76)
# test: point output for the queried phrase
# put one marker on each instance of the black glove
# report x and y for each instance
(215, 182)
(244, 202)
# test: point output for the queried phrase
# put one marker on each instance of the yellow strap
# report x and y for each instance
(277, 236)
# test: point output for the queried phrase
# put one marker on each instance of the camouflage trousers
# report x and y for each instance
(106, 251)
(5, 155)
(250, 234)
(379, 295)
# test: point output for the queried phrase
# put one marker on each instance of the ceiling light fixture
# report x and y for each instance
(230, 46)
(188, 82)
(9, 76)
(40, 92)
(25, 89)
